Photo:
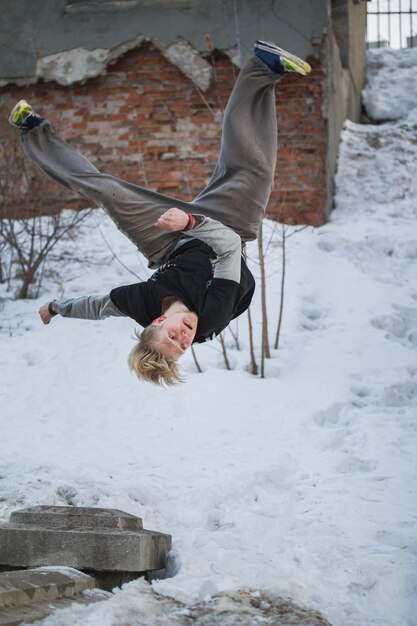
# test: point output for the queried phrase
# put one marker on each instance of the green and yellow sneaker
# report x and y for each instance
(280, 61)
(23, 117)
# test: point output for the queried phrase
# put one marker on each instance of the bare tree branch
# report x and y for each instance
(235, 335)
(224, 350)
(118, 258)
(26, 238)
(195, 360)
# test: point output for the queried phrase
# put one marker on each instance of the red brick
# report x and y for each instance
(143, 92)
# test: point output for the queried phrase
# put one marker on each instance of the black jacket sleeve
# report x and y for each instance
(218, 308)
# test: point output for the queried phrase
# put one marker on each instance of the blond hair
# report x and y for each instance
(150, 364)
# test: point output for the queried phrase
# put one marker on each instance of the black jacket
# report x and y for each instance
(188, 276)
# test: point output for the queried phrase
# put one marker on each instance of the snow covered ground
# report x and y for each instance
(300, 485)
(390, 92)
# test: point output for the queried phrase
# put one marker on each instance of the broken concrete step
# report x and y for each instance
(44, 583)
(26, 614)
(29, 595)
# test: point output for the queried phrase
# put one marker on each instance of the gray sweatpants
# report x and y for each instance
(236, 195)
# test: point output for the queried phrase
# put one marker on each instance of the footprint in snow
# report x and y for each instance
(361, 395)
(354, 464)
(401, 394)
(277, 478)
(31, 358)
(335, 416)
(326, 245)
(313, 318)
(215, 521)
(67, 494)
(400, 327)
(397, 540)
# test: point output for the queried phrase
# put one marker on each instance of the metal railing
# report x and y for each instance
(392, 24)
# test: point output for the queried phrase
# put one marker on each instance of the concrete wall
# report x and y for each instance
(357, 56)
(343, 56)
(33, 30)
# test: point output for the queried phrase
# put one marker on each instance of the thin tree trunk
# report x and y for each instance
(226, 358)
(253, 364)
(265, 341)
(281, 304)
(235, 335)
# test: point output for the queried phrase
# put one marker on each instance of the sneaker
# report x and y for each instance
(280, 61)
(22, 116)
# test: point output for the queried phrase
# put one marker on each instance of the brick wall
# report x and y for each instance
(145, 122)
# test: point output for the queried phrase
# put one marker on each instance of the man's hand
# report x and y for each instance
(174, 219)
(44, 313)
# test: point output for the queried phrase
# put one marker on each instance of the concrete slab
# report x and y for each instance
(76, 517)
(101, 540)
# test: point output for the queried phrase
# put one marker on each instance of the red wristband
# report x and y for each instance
(191, 222)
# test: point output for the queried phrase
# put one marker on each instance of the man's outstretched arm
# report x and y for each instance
(85, 308)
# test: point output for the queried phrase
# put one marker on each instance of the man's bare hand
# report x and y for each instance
(174, 219)
(44, 313)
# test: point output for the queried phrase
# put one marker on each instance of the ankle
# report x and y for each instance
(32, 121)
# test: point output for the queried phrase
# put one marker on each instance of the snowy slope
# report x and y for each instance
(301, 484)
(390, 92)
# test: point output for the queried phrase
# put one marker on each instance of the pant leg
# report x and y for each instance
(238, 192)
(134, 209)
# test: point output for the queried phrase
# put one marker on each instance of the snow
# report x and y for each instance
(390, 91)
(300, 485)
(70, 572)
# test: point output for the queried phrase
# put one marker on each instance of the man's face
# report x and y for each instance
(175, 333)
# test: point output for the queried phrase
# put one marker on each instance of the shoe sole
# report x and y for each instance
(12, 117)
(300, 66)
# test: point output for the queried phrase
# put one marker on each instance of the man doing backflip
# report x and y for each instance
(201, 280)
